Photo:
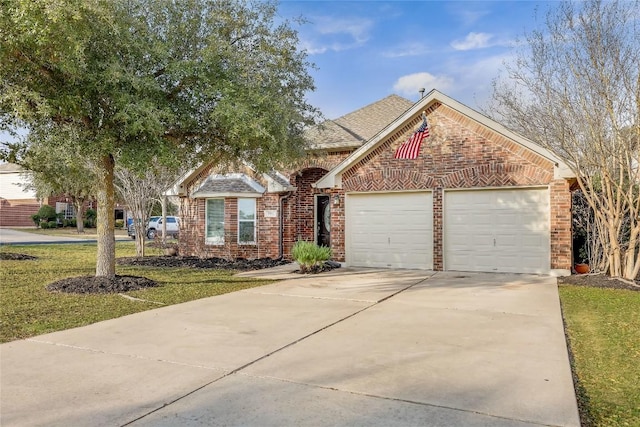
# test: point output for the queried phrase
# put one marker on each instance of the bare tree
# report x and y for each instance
(140, 191)
(575, 89)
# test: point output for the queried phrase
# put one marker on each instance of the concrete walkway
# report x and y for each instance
(348, 348)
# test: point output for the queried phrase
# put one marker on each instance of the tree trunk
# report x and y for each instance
(106, 262)
(79, 205)
(163, 204)
(140, 242)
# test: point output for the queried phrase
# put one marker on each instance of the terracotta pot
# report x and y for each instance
(582, 268)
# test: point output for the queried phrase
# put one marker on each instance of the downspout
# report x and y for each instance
(281, 232)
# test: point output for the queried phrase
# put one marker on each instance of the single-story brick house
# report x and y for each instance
(478, 197)
(18, 203)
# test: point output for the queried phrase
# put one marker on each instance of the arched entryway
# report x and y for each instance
(309, 211)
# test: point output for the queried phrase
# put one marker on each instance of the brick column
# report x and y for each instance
(438, 263)
(561, 238)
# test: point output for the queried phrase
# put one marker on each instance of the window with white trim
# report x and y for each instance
(214, 222)
(247, 221)
(66, 209)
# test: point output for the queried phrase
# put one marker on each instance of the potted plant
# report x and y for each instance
(581, 268)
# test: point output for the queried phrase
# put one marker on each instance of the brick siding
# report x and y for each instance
(296, 217)
(17, 213)
(460, 153)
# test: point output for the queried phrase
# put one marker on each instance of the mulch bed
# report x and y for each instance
(240, 264)
(118, 284)
(597, 281)
(8, 256)
(101, 285)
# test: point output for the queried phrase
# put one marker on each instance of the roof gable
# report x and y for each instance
(333, 178)
(230, 185)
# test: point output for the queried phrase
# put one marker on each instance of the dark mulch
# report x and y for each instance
(8, 256)
(101, 285)
(195, 262)
(597, 281)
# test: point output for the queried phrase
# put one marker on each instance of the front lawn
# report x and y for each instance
(28, 309)
(603, 327)
(89, 233)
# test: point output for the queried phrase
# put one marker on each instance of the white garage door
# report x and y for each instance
(497, 230)
(389, 230)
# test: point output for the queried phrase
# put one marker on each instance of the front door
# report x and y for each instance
(323, 221)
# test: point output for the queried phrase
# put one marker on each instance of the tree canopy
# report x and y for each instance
(145, 80)
(575, 89)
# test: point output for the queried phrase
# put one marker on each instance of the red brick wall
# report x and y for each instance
(561, 233)
(193, 226)
(17, 213)
(460, 153)
(296, 217)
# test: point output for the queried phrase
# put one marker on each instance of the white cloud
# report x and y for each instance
(410, 84)
(331, 34)
(467, 13)
(411, 49)
(472, 41)
(474, 79)
(356, 28)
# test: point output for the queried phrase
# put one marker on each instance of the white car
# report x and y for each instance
(155, 226)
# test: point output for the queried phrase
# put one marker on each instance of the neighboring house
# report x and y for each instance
(477, 198)
(16, 203)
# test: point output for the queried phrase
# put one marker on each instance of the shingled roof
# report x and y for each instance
(230, 185)
(354, 129)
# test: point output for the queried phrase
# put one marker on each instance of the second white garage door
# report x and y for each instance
(497, 230)
(389, 230)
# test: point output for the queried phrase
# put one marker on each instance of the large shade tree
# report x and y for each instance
(135, 80)
(575, 89)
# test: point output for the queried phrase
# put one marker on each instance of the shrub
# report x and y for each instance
(119, 223)
(36, 219)
(46, 213)
(48, 224)
(90, 218)
(309, 255)
(71, 222)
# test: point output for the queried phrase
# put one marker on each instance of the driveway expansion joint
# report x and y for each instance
(395, 399)
(246, 365)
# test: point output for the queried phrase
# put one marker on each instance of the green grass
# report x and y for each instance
(28, 309)
(603, 326)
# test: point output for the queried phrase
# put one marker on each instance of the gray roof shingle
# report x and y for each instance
(354, 129)
(228, 184)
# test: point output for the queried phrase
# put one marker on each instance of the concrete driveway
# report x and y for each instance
(349, 347)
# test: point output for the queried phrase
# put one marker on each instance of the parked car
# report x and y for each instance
(155, 225)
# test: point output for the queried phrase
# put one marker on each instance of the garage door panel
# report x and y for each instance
(504, 230)
(389, 230)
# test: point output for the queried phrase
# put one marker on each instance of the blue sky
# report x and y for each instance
(366, 50)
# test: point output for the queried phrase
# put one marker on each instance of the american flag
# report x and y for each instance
(411, 147)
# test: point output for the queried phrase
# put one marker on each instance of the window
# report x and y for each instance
(215, 222)
(247, 221)
(66, 209)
